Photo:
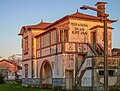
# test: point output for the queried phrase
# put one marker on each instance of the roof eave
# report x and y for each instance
(112, 21)
(56, 22)
(98, 26)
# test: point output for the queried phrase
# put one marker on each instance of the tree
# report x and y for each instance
(1, 79)
(16, 58)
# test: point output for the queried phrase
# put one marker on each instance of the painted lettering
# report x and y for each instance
(79, 24)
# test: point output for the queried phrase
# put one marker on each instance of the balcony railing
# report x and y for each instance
(112, 61)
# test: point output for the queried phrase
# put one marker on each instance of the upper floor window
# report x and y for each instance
(38, 43)
(42, 42)
(53, 37)
(45, 40)
(63, 36)
(26, 44)
(93, 38)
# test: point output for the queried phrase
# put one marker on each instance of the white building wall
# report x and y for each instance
(82, 29)
(87, 63)
(69, 63)
(29, 54)
(35, 68)
(87, 78)
(56, 65)
(45, 51)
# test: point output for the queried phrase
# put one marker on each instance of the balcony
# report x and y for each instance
(112, 61)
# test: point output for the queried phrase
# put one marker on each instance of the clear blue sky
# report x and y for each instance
(16, 13)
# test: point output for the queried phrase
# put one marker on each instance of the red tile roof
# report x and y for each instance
(80, 16)
(88, 17)
(8, 62)
(41, 25)
(45, 26)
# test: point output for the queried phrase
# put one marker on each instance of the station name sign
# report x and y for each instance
(79, 28)
(79, 24)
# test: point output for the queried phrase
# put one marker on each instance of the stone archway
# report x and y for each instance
(46, 75)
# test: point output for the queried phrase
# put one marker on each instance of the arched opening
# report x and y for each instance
(46, 75)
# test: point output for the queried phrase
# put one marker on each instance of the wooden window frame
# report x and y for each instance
(26, 45)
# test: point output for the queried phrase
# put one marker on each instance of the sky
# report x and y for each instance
(17, 13)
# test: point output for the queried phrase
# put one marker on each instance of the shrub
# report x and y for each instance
(1, 79)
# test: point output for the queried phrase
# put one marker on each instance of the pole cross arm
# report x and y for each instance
(84, 7)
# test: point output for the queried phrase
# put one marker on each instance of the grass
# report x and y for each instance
(115, 90)
(16, 87)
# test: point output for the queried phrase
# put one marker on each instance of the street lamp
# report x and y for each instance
(104, 20)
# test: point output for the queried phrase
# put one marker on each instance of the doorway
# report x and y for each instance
(46, 75)
(69, 79)
(93, 38)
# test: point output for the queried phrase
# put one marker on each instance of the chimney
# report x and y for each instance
(101, 7)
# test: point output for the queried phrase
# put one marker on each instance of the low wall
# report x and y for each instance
(60, 83)
(31, 82)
